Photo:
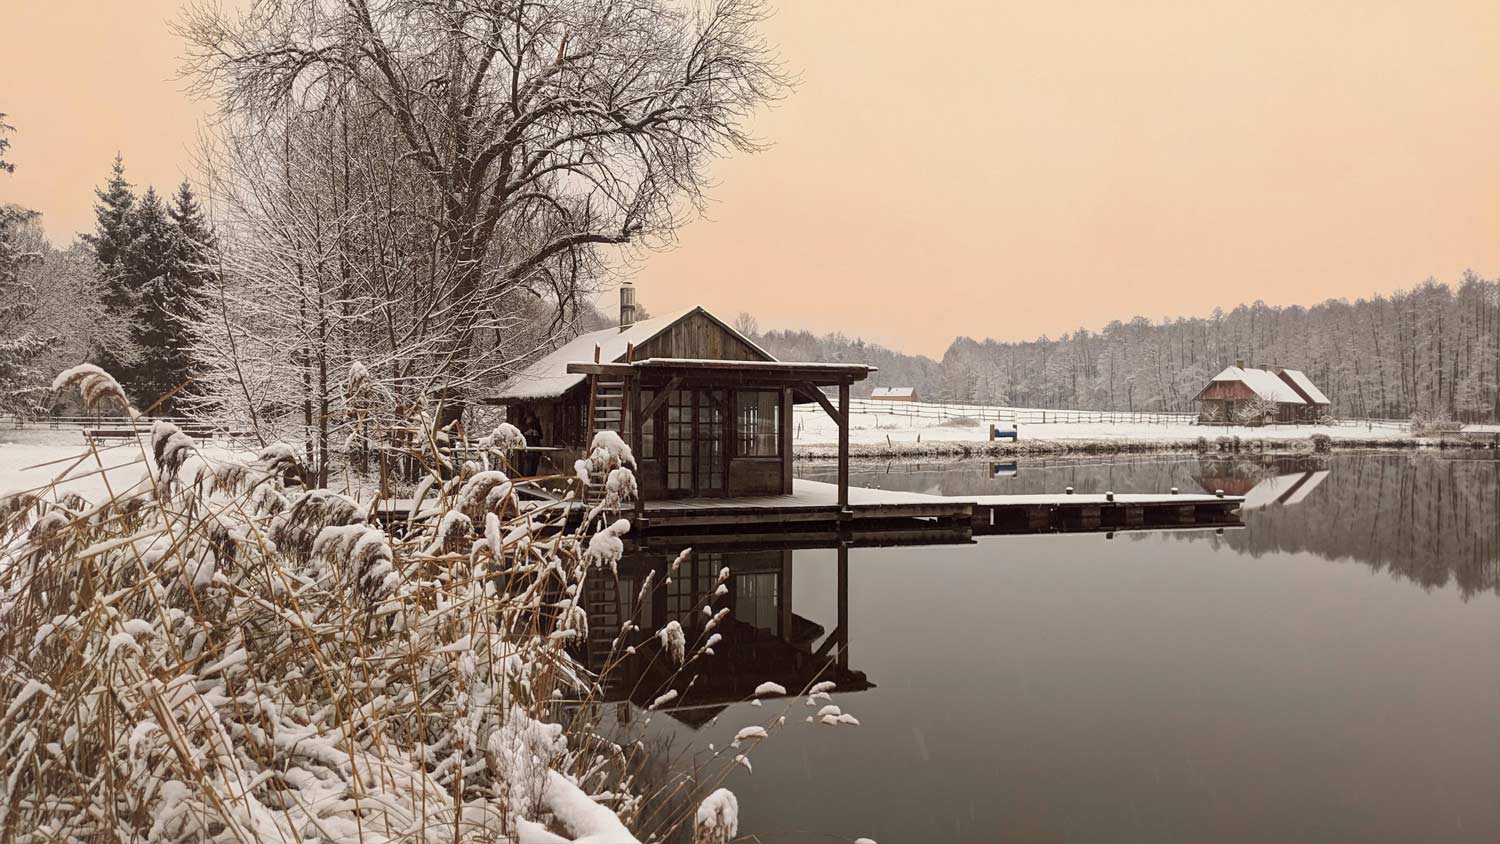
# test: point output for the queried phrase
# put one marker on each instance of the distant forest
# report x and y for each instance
(1432, 350)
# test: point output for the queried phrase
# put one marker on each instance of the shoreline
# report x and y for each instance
(959, 450)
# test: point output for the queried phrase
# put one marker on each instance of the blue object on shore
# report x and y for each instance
(996, 433)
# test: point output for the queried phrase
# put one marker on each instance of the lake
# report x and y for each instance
(1329, 672)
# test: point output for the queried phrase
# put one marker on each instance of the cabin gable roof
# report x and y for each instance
(1262, 382)
(548, 377)
(1304, 385)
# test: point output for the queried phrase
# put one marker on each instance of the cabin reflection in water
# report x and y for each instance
(763, 639)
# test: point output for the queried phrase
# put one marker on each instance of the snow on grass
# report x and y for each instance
(812, 427)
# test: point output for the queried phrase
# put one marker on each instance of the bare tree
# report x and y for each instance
(542, 132)
(746, 324)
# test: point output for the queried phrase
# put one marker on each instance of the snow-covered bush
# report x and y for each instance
(1432, 424)
(1256, 411)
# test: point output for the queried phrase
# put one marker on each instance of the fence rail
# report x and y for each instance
(141, 424)
(940, 411)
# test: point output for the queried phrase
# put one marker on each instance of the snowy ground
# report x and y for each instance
(32, 459)
(812, 428)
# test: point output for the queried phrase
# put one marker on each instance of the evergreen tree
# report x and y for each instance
(151, 269)
(110, 242)
(112, 235)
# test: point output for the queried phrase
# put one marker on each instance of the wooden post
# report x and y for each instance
(637, 440)
(787, 404)
(844, 447)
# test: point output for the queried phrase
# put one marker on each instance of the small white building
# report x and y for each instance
(894, 394)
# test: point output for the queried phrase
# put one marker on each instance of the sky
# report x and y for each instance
(991, 169)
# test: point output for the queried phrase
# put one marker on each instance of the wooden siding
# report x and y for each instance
(1227, 390)
(697, 336)
(755, 476)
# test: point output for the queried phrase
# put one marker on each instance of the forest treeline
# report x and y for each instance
(1433, 350)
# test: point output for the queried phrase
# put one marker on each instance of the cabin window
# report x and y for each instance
(712, 411)
(755, 601)
(759, 423)
(648, 427)
(680, 440)
(693, 587)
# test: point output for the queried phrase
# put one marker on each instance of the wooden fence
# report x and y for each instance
(941, 411)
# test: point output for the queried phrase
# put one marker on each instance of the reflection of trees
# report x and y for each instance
(1429, 518)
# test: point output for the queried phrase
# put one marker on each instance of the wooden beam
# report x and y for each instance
(816, 394)
(620, 369)
(649, 412)
(843, 419)
(637, 440)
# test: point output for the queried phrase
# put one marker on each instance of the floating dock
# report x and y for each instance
(811, 513)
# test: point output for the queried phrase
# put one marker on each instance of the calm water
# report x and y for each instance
(1331, 672)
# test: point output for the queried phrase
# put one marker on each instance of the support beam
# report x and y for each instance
(843, 420)
(637, 440)
(661, 398)
(816, 394)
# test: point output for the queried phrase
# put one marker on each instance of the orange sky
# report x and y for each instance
(1001, 169)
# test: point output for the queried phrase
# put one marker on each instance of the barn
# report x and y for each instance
(706, 411)
(1260, 396)
(894, 394)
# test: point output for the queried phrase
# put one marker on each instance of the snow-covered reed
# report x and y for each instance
(212, 655)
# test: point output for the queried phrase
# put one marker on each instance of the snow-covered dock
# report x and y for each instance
(812, 513)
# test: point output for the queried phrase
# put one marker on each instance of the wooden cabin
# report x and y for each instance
(1261, 396)
(706, 411)
(894, 394)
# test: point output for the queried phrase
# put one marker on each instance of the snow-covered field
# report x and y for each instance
(811, 427)
(31, 459)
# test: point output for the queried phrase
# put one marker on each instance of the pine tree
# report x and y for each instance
(110, 242)
(173, 258)
(112, 234)
(150, 268)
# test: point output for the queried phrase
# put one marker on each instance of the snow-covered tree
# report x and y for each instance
(20, 346)
(529, 141)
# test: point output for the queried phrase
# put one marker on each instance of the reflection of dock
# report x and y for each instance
(811, 513)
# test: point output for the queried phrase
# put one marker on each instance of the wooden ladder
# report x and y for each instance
(602, 601)
(608, 404)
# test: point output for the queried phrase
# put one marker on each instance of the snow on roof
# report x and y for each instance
(892, 392)
(777, 365)
(549, 378)
(1308, 483)
(1305, 384)
(1263, 383)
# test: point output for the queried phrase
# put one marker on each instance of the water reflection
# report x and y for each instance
(1429, 518)
(1175, 686)
(762, 639)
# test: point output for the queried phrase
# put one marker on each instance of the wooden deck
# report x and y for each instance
(874, 516)
(811, 516)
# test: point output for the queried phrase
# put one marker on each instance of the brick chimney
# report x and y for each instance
(627, 305)
(1239, 363)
